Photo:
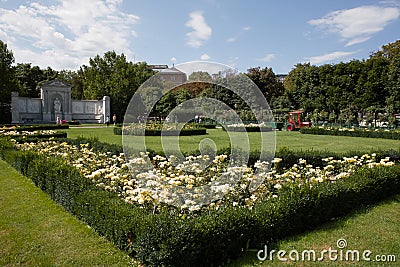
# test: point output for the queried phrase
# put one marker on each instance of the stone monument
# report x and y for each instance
(55, 102)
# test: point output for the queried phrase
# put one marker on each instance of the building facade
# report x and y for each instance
(55, 104)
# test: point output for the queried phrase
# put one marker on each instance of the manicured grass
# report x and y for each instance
(292, 140)
(35, 231)
(374, 228)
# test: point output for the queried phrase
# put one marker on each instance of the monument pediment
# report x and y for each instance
(56, 83)
(55, 104)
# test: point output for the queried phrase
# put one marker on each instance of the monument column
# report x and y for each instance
(68, 106)
(106, 107)
(45, 106)
(14, 107)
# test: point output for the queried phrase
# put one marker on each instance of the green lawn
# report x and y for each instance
(35, 231)
(292, 140)
(374, 228)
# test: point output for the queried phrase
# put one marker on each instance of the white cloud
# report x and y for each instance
(330, 57)
(201, 31)
(66, 34)
(267, 58)
(205, 57)
(358, 24)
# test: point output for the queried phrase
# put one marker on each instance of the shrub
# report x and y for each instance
(158, 132)
(386, 134)
(248, 129)
(166, 238)
(20, 128)
(33, 137)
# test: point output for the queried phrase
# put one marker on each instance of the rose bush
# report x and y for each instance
(152, 182)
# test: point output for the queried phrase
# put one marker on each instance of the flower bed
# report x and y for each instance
(252, 127)
(158, 129)
(355, 132)
(20, 128)
(292, 199)
(27, 135)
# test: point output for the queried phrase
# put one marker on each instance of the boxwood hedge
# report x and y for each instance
(386, 134)
(20, 128)
(209, 239)
(157, 132)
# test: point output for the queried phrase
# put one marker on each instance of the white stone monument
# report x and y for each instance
(55, 102)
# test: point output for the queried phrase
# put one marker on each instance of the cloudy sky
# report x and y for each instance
(64, 34)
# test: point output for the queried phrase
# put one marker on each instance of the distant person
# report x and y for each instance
(58, 120)
(108, 120)
(115, 120)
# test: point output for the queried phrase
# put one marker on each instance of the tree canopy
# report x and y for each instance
(330, 90)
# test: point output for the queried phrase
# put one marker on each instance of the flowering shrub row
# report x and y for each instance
(32, 135)
(20, 128)
(355, 132)
(153, 183)
(172, 237)
(156, 129)
(251, 127)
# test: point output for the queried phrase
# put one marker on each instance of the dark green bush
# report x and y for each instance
(29, 138)
(20, 128)
(354, 132)
(157, 132)
(117, 130)
(248, 129)
(210, 238)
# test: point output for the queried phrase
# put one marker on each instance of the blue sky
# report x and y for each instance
(64, 34)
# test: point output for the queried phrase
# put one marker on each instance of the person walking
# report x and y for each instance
(115, 119)
(108, 120)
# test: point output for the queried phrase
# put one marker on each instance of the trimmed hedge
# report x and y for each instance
(38, 127)
(248, 129)
(392, 134)
(183, 132)
(34, 137)
(212, 238)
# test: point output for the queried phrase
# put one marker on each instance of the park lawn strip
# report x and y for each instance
(35, 231)
(291, 140)
(375, 228)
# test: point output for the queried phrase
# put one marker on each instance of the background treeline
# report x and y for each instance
(340, 92)
(344, 90)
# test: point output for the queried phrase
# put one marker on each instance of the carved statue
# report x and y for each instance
(57, 105)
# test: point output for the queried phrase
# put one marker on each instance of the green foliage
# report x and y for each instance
(8, 82)
(392, 134)
(114, 76)
(31, 77)
(248, 129)
(267, 82)
(35, 137)
(39, 232)
(356, 85)
(211, 238)
(159, 132)
(20, 128)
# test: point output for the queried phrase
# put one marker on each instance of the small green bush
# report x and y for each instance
(157, 132)
(210, 238)
(248, 129)
(385, 134)
(33, 137)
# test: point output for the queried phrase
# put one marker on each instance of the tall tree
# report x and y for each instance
(267, 82)
(8, 82)
(114, 76)
(31, 77)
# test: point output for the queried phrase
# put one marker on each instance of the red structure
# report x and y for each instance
(296, 121)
